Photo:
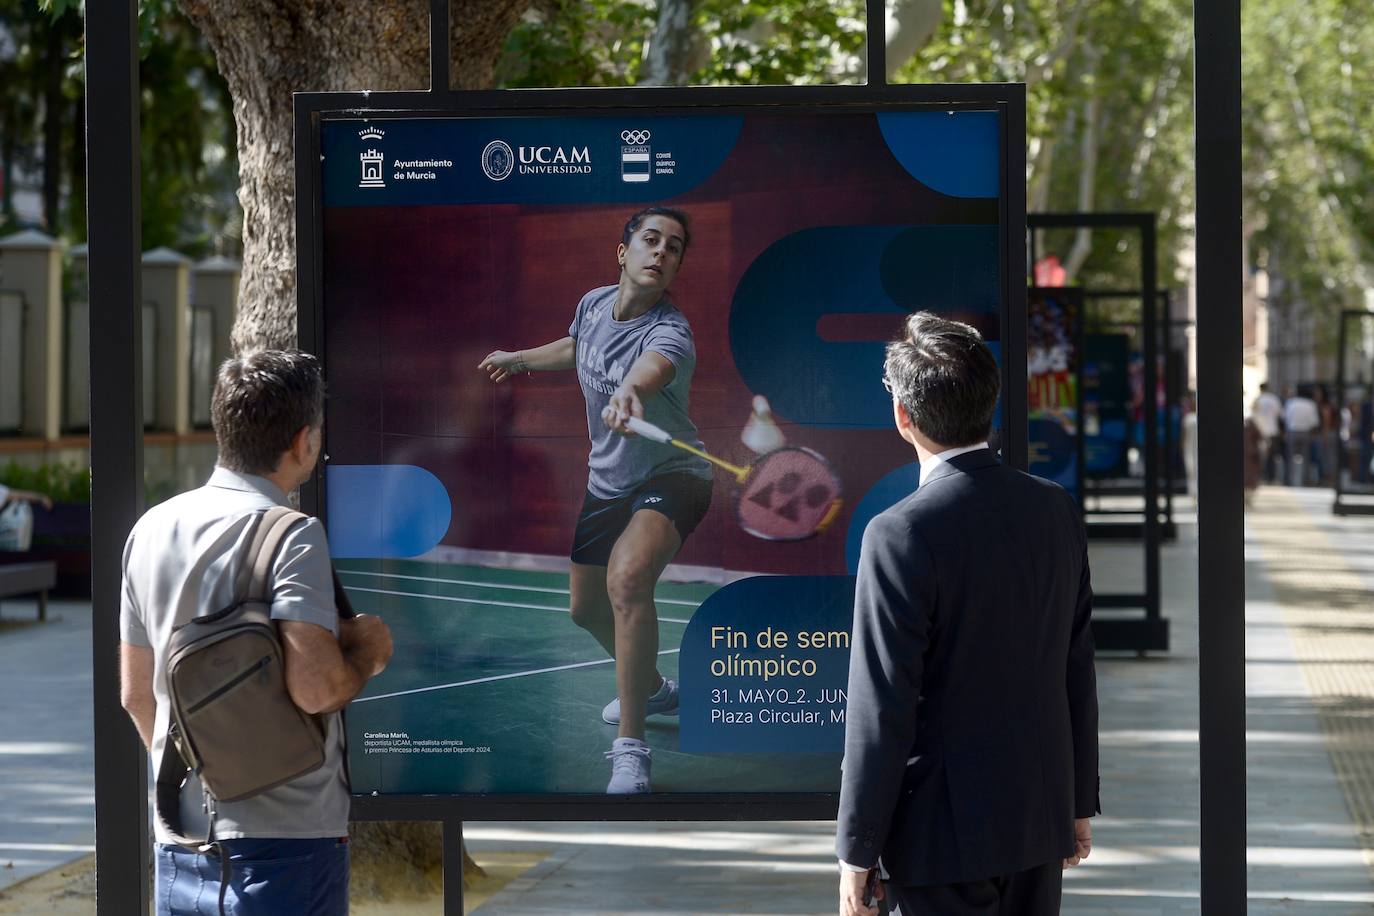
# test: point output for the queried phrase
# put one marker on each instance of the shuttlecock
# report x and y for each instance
(761, 434)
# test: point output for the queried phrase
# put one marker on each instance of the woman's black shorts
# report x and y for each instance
(683, 498)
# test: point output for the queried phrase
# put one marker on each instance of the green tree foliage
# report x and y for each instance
(602, 42)
(189, 172)
(1309, 150)
(1109, 115)
(189, 166)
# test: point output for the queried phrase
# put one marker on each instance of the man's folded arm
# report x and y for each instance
(892, 610)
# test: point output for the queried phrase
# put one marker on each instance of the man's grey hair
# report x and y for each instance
(945, 377)
(261, 402)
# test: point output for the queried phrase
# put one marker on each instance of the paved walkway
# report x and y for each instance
(47, 794)
(1308, 579)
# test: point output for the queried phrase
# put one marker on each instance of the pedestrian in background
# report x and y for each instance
(1268, 413)
(1302, 421)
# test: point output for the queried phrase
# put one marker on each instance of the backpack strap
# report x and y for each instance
(255, 575)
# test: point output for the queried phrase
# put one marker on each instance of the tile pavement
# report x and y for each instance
(1305, 855)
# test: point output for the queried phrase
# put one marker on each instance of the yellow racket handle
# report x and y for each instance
(650, 431)
(741, 474)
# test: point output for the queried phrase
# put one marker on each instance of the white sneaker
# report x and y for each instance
(663, 703)
(629, 767)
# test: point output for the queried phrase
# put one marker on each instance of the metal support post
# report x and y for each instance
(121, 775)
(1221, 519)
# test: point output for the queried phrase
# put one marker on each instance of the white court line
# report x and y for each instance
(498, 677)
(497, 585)
(533, 607)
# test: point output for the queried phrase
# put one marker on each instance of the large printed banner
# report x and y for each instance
(452, 501)
(1053, 339)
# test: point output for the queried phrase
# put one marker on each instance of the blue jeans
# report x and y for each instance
(267, 878)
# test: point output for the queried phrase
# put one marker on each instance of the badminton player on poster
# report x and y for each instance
(634, 357)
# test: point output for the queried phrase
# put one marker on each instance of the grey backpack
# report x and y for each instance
(233, 725)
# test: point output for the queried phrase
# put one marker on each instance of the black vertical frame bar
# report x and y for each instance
(876, 22)
(113, 215)
(1171, 403)
(1342, 341)
(453, 866)
(1221, 520)
(440, 79)
(309, 262)
(1149, 327)
(1016, 424)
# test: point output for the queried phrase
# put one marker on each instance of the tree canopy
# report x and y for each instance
(1109, 108)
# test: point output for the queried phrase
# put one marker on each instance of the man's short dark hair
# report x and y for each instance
(946, 378)
(260, 402)
(634, 222)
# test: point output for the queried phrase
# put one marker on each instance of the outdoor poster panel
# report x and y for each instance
(1053, 339)
(451, 501)
(1107, 404)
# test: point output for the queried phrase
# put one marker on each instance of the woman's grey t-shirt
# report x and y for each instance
(606, 349)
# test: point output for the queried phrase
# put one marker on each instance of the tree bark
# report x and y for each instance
(268, 49)
(910, 26)
(675, 50)
(1087, 170)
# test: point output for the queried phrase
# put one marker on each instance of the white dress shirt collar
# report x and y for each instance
(929, 464)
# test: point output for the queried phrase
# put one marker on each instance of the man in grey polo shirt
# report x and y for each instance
(288, 846)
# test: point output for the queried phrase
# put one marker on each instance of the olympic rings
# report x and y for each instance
(635, 137)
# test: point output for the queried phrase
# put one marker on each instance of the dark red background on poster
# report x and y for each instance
(416, 296)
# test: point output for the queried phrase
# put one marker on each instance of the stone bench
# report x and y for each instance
(28, 579)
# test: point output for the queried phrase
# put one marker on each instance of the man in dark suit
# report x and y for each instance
(970, 763)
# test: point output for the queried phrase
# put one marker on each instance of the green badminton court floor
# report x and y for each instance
(493, 689)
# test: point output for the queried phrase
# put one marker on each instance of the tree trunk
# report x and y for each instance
(268, 49)
(676, 49)
(910, 26)
(1087, 171)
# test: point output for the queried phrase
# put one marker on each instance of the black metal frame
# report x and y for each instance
(1136, 530)
(1341, 505)
(314, 108)
(112, 199)
(1221, 514)
(120, 766)
(1150, 632)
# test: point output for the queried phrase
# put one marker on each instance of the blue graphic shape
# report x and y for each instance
(1053, 452)
(385, 510)
(619, 158)
(894, 487)
(726, 712)
(850, 270)
(954, 152)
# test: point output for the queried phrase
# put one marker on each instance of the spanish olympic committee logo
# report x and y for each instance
(635, 164)
(498, 160)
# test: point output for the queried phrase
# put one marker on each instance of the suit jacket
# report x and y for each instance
(971, 729)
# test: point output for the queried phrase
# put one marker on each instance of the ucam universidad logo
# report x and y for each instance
(498, 161)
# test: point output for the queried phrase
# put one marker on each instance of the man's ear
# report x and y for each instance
(901, 418)
(300, 444)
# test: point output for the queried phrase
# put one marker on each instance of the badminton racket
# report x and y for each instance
(788, 494)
